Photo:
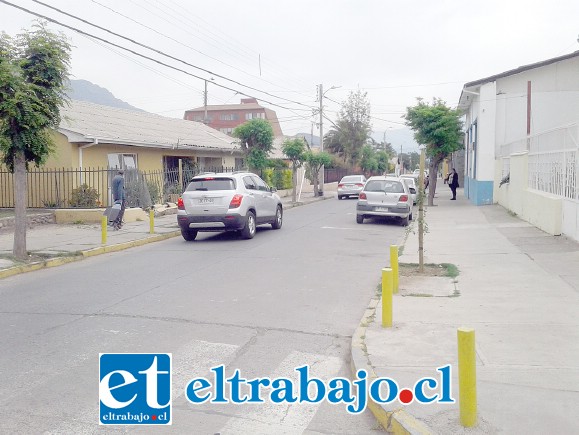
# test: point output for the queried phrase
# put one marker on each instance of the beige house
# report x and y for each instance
(93, 140)
(95, 136)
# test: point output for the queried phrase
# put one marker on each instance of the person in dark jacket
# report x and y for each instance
(453, 183)
(118, 188)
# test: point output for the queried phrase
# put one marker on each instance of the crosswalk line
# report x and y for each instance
(285, 418)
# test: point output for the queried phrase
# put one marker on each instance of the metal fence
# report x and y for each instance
(553, 162)
(86, 188)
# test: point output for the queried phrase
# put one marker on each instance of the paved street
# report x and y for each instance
(263, 306)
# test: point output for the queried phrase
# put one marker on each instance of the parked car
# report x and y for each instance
(411, 183)
(385, 196)
(350, 185)
(235, 201)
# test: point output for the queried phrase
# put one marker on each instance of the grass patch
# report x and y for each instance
(36, 257)
(430, 269)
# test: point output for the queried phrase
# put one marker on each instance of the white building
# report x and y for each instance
(524, 124)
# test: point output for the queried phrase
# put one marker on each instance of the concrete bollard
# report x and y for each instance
(386, 298)
(104, 222)
(467, 377)
(152, 221)
(394, 266)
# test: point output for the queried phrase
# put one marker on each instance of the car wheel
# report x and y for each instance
(276, 224)
(360, 218)
(250, 226)
(189, 235)
(404, 221)
(340, 196)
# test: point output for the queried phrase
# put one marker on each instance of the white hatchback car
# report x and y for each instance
(386, 197)
(411, 183)
(350, 185)
(235, 201)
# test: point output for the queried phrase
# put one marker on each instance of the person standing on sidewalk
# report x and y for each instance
(453, 183)
(118, 188)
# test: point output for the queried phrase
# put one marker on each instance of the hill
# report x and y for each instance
(84, 90)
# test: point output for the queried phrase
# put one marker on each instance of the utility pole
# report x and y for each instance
(322, 170)
(205, 104)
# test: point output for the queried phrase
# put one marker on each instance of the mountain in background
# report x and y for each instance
(312, 140)
(84, 90)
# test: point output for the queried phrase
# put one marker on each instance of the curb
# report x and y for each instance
(398, 422)
(59, 261)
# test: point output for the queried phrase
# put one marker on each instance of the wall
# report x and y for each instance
(543, 210)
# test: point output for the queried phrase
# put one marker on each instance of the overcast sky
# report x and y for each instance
(393, 50)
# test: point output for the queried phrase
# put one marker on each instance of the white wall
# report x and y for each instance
(485, 159)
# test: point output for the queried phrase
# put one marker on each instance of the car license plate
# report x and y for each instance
(205, 200)
(381, 209)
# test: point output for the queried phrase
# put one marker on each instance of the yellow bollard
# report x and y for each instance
(152, 221)
(467, 377)
(104, 222)
(386, 298)
(394, 266)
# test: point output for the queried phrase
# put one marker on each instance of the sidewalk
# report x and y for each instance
(518, 287)
(60, 244)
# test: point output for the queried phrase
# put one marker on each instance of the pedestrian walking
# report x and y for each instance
(453, 183)
(118, 187)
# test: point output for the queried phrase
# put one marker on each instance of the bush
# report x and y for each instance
(84, 197)
(154, 191)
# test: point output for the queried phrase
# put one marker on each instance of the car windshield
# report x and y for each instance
(211, 183)
(384, 186)
(351, 179)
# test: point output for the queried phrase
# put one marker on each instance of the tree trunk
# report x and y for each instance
(294, 182)
(432, 177)
(316, 174)
(20, 191)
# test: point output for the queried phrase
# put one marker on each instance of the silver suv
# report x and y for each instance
(234, 201)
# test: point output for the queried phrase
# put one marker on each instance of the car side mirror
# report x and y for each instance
(412, 190)
(272, 189)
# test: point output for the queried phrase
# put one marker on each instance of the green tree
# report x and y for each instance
(295, 151)
(369, 160)
(256, 138)
(439, 128)
(352, 129)
(315, 161)
(33, 76)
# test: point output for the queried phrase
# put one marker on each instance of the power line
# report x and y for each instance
(146, 47)
(154, 60)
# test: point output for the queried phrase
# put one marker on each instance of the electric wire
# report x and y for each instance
(147, 57)
(148, 48)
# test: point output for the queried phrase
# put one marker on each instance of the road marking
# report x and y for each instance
(271, 418)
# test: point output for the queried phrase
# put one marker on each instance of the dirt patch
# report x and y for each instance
(413, 269)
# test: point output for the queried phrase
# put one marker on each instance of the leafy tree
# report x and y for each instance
(315, 161)
(256, 137)
(295, 151)
(439, 128)
(33, 76)
(369, 160)
(352, 129)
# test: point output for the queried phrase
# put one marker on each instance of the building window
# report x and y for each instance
(229, 117)
(122, 161)
(226, 130)
(249, 116)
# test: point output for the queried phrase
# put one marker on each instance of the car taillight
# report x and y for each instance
(362, 195)
(235, 201)
(403, 198)
(180, 204)
(340, 185)
(359, 185)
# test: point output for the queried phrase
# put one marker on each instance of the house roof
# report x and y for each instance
(477, 83)
(83, 122)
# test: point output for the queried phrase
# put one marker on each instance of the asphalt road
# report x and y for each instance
(263, 306)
